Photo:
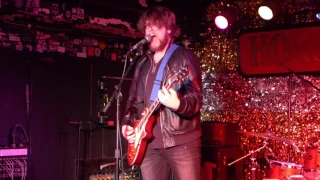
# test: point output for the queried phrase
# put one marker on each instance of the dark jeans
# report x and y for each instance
(184, 161)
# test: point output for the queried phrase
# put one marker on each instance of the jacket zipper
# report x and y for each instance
(145, 83)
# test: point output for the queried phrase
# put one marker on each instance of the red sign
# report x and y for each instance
(280, 51)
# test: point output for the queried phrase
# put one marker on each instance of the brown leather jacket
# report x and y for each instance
(180, 126)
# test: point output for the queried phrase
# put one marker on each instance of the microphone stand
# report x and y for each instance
(116, 94)
(117, 152)
(29, 100)
(78, 150)
(80, 128)
(294, 74)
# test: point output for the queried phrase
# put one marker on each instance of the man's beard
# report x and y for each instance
(161, 45)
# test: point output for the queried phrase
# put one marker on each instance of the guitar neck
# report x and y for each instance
(153, 106)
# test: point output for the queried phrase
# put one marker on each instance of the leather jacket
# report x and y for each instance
(177, 126)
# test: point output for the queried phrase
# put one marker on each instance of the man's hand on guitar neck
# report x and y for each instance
(128, 133)
(169, 98)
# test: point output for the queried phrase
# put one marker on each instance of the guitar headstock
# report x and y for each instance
(178, 76)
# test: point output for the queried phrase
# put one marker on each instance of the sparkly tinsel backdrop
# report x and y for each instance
(259, 104)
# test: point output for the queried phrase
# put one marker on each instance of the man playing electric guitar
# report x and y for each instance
(173, 137)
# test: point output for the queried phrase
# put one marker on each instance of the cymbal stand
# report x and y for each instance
(264, 146)
(254, 166)
(253, 159)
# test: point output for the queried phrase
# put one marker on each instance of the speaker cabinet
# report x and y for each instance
(220, 134)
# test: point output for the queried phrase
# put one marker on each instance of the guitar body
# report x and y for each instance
(137, 149)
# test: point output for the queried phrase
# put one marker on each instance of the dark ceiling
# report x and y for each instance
(190, 15)
(131, 9)
(189, 12)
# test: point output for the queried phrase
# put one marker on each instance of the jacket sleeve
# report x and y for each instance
(190, 94)
(131, 109)
(131, 112)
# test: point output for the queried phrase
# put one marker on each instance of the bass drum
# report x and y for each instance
(284, 170)
(312, 163)
(293, 177)
(298, 177)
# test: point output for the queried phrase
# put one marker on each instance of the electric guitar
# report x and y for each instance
(143, 127)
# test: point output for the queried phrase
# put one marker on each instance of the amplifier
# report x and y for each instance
(104, 169)
(220, 134)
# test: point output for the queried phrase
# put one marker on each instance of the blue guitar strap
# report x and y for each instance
(158, 80)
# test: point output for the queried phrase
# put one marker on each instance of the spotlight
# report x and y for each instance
(221, 22)
(226, 15)
(318, 15)
(265, 12)
(268, 9)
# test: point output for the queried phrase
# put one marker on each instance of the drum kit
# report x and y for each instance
(279, 170)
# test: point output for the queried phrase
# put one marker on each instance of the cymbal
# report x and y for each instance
(268, 135)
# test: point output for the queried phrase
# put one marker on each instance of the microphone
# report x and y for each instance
(142, 42)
